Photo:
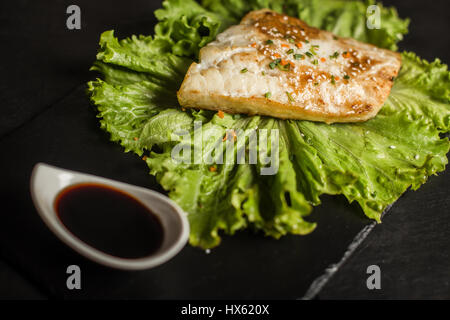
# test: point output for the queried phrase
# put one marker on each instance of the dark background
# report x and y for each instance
(43, 63)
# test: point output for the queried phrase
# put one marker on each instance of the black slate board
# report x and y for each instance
(411, 247)
(43, 61)
(44, 119)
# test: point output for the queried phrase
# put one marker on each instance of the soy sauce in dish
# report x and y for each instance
(109, 220)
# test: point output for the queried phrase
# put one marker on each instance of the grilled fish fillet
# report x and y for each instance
(275, 65)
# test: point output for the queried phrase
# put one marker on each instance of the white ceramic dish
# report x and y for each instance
(48, 181)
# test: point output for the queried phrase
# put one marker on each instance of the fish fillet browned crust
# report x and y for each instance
(275, 65)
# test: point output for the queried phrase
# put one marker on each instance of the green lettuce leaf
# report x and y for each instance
(371, 163)
(349, 19)
(186, 26)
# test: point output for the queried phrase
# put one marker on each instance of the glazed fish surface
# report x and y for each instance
(275, 65)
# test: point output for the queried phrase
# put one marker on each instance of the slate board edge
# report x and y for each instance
(319, 283)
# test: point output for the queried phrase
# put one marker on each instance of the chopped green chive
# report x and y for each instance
(290, 97)
(309, 54)
(269, 42)
(313, 50)
(335, 55)
(305, 41)
(316, 84)
(298, 56)
(277, 64)
(244, 70)
(335, 38)
(263, 73)
(286, 67)
(346, 77)
(268, 95)
(290, 51)
(289, 38)
(333, 81)
(315, 62)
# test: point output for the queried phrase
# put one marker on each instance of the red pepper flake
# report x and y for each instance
(284, 45)
(232, 132)
(283, 62)
(220, 114)
(212, 169)
(323, 59)
(276, 55)
(144, 158)
(298, 45)
(254, 44)
(183, 109)
(135, 138)
(346, 54)
(337, 78)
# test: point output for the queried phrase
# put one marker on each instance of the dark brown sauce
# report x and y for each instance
(109, 220)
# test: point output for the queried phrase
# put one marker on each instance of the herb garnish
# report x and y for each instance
(291, 99)
(335, 55)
